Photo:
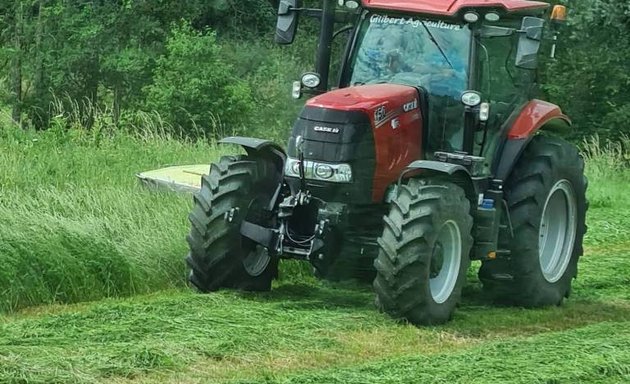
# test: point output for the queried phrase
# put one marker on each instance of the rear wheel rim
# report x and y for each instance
(556, 236)
(445, 262)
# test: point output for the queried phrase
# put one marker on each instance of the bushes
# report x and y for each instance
(193, 85)
(270, 71)
(590, 77)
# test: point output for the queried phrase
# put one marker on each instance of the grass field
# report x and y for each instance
(77, 228)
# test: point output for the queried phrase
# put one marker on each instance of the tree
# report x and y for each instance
(193, 87)
(16, 67)
(591, 75)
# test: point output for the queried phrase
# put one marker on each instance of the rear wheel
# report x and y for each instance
(424, 252)
(547, 202)
(219, 256)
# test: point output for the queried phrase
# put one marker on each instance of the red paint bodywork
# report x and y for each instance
(535, 114)
(451, 7)
(396, 144)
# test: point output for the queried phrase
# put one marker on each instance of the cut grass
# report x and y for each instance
(316, 332)
(191, 338)
(586, 354)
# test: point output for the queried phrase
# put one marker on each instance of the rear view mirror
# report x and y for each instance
(287, 21)
(529, 43)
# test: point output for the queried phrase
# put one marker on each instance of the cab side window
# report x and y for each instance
(502, 84)
(501, 81)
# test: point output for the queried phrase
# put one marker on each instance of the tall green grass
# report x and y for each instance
(608, 171)
(76, 225)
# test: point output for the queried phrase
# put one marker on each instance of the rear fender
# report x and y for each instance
(456, 173)
(537, 115)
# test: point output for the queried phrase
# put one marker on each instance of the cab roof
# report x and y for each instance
(452, 7)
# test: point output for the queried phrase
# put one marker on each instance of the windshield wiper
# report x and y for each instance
(437, 45)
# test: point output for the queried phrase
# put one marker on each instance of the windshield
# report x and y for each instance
(412, 51)
(418, 52)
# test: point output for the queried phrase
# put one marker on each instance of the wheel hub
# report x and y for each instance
(256, 262)
(256, 257)
(557, 232)
(445, 262)
(437, 260)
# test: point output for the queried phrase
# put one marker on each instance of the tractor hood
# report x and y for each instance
(376, 130)
(380, 102)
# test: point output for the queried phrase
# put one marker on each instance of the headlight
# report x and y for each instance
(313, 170)
(324, 172)
(492, 17)
(471, 17)
(296, 91)
(350, 4)
(344, 173)
(311, 80)
(471, 98)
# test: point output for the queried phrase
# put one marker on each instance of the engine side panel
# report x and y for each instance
(398, 139)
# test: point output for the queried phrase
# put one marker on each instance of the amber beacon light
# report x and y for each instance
(559, 14)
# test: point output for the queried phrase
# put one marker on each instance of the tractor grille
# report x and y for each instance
(335, 136)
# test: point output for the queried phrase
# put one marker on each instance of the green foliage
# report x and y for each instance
(109, 54)
(591, 75)
(194, 86)
(270, 71)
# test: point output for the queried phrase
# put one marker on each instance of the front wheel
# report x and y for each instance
(236, 189)
(424, 252)
(546, 196)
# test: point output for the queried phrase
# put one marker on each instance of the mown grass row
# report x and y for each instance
(583, 355)
(320, 333)
(77, 226)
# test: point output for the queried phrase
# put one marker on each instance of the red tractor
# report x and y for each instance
(430, 151)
